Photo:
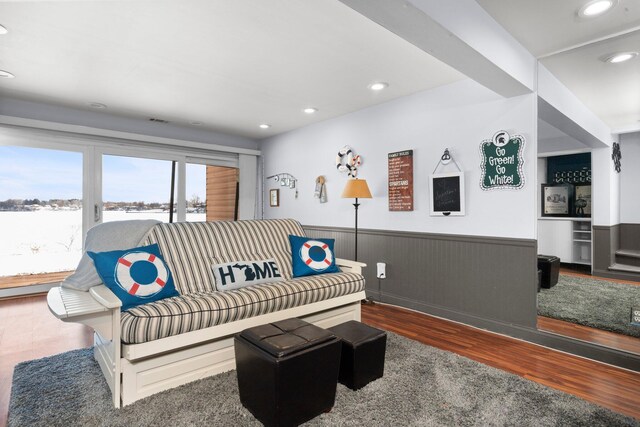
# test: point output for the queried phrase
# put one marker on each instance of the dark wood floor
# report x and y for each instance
(605, 385)
(28, 331)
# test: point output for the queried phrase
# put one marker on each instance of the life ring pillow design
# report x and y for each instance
(316, 255)
(141, 274)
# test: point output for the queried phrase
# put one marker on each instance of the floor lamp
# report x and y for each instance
(356, 189)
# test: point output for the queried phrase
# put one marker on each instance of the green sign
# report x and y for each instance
(501, 162)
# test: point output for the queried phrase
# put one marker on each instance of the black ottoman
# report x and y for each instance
(287, 371)
(363, 349)
(539, 279)
(550, 266)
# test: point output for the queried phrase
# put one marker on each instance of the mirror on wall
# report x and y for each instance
(573, 299)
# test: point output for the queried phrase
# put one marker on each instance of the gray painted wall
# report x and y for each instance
(478, 277)
(488, 283)
(630, 233)
(103, 120)
(605, 241)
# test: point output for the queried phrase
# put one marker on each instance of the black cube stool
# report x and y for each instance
(287, 371)
(550, 266)
(363, 350)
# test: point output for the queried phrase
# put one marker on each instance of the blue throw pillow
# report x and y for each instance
(137, 276)
(312, 256)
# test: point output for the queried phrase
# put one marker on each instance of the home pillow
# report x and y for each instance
(312, 256)
(136, 276)
(238, 274)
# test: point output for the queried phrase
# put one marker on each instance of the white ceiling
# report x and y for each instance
(571, 48)
(228, 64)
(235, 64)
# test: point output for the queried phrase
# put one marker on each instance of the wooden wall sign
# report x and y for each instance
(501, 162)
(401, 181)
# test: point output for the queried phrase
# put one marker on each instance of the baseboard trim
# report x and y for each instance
(556, 342)
(608, 274)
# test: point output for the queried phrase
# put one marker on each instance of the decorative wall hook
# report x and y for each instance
(616, 155)
(445, 159)
(286, 180)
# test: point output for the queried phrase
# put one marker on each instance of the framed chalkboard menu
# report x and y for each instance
(446, 194)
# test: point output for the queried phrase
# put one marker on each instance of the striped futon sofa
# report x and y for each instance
(163, 344)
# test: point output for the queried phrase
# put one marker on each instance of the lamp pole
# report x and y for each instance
(356, 204)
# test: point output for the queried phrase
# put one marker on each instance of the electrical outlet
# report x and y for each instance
(381, 270)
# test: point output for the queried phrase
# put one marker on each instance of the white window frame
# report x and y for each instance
(94, 143)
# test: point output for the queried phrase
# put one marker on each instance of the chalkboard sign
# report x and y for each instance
(447, 194)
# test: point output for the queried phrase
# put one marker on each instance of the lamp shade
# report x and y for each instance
(356, 189)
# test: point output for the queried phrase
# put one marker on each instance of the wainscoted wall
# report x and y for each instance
(479, 279)
(606, 241)
(630, 235)
(486, 282)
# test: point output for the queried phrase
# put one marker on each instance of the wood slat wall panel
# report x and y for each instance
(486, 278)
(221, 193)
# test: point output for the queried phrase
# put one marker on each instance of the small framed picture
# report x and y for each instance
(274, 198)
(582, 200)
(557, 200)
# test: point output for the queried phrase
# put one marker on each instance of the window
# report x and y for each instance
(135, 188)
(40, 215)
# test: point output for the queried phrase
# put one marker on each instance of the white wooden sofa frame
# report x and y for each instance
(135, 371)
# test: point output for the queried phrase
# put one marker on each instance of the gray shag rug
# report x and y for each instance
(591, 302)
(422, 386)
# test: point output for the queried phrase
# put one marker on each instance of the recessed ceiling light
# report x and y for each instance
(378, 86)
(595, 8)
(310, 110)
(196, 123)
(3, 30)
(6, 74)
(616, 58)
(265, 126)
(97, 105)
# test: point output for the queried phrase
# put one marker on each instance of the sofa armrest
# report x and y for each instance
(104, 296)
(69, 304)
(350, 266)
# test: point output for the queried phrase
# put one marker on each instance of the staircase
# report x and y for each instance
(627, 265)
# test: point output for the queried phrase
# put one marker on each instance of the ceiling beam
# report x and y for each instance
(460, 34)
(561, 108)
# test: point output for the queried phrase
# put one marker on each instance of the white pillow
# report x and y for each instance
(238, 274)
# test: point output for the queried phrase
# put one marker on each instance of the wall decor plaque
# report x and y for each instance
(557, 200)
(501, 162)
(401, 180)
(582, 200)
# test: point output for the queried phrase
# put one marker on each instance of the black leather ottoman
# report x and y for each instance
(539, 279)
(287, 371)
(363, 350)
(550, 266)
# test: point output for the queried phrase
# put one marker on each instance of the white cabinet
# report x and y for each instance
(567, 238)
(581, 241)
